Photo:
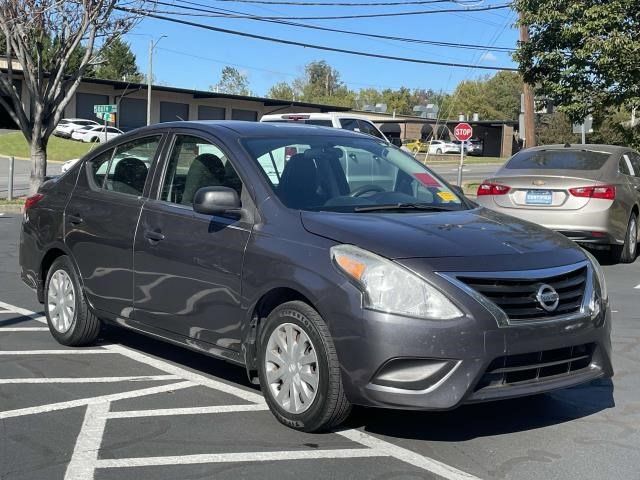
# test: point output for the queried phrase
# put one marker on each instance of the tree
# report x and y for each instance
(54, 42)
(282, 91)
(233, 82)
(584, 55)
(495, 98)
(117, 62)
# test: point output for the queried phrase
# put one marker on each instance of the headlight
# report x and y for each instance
(599, 274)
(390, 288)
(600, 295)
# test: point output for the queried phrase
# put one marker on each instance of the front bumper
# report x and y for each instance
(456, 357)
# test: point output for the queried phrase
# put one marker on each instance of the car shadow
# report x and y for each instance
(488, 419)
(181, 356)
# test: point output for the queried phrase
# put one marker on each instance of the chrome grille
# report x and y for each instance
(516, 297)
(537, 366)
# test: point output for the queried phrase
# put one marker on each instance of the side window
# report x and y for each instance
(195, 163)
(130, 165)
(628, 166)
(635, 163)
(350, 124)
(98, 167)
(369, 129)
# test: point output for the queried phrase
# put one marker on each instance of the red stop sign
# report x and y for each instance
(463, 132)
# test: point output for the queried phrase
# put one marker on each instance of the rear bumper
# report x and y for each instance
(586, 225)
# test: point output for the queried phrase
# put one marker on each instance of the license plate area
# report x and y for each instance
(538, 197)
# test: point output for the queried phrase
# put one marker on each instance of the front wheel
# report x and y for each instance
(70, 320)
(299, 370)
(438, 152)
(628, 252)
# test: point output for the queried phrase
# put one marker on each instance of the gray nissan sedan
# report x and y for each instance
(335, 268)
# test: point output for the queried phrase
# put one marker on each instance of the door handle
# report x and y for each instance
(74, 219)
(153, 236)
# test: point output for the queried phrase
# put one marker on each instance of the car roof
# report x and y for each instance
(255, 129)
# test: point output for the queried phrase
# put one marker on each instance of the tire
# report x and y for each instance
(83, 326)
(628, 252)
(415, 150)
(328, 406)
(438, 152)
(95, 140)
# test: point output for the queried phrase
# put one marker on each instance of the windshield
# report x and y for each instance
(557, 159)
(344, 174)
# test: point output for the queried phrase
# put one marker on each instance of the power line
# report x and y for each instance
(347, 4)
(439, 43)
(347, 17)
(310, 45)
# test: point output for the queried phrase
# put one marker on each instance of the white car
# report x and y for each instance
(66, 166)
(346, 121)
(96, 134)
(438, 147)
(67, 126)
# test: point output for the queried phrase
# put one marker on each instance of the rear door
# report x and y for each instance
(188, 265)
(101, 219)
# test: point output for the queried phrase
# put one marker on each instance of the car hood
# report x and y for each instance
(468, 233)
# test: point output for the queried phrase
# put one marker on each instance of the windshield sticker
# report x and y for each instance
(447, 196)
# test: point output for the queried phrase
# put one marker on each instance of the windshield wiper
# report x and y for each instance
(404, 206)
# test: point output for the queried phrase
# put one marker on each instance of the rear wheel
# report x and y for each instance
(628, 252)
(299, 371)
(70, 320)
(439, 152)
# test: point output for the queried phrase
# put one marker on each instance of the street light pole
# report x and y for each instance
(152, 46)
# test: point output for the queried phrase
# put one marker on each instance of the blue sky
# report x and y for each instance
(193, 58)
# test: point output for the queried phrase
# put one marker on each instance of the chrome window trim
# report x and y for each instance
(501, 317)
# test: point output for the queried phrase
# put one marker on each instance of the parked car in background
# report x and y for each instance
(67, 126)
(345, 121)
(415, 145)
(471, 147)
(590, 193)
(353, 275)
(96, 134)
(439, 147)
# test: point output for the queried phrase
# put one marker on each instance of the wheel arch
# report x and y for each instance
(52, 253)
(266, 303)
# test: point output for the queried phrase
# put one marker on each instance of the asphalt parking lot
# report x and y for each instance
(133, 407)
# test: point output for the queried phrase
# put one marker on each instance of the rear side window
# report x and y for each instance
(130, 165)
(369, 129)
(558, 159)
(350, 124)
(98, 167)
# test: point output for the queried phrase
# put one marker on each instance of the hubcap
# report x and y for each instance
(292, 368)
(61, 301)
(633, 236)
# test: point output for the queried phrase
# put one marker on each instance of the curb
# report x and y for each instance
(10, 209)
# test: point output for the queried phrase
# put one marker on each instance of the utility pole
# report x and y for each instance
(529, 104)
(152, 46)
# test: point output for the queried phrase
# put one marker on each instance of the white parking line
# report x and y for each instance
(86, 351)
(85, 453)
(85, 457)
(637, 286)
(161, 412)
(94, 400)
(247, 395)
(405, 455)
(240, 457)
(23, 329)
(137, 378)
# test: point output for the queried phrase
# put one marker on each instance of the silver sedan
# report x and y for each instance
(590, 193)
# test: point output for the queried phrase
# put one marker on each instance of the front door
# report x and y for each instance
(188, 266)
(101, 219)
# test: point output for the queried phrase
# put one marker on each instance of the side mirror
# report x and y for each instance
(216, 201)
(397, 141)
